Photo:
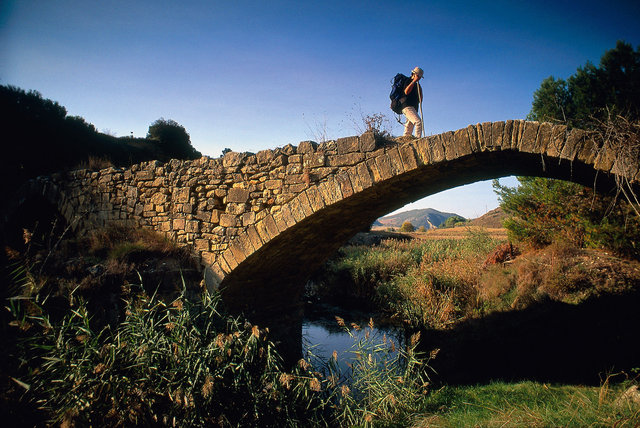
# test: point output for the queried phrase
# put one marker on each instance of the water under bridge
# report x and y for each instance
(262, 223)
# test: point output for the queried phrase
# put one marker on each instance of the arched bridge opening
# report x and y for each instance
(271, 279)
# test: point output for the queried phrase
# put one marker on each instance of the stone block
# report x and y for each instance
(279, 160)
(287, 215)
(507, 135)
(273, 184)
(306, 147)
(261, 228)
(588, 151)
(236, 251)
(178, 223)
(264, 157)
(280, 221)
(556, 142)
(238, 195)
(497, 132)
(385, 168)
(460, 143)
(215, 216)
(342, 178)
(181, 195)
(192, 226)
(228, 220)
(396, 160)
(347, 145)
(296, 210)
(289, 150)
(305, 204)
(233, 159)
(254, 237)
(528, 142)
(248, 218)
(436, 149)
(208, 258)
(201, 244)
(356, 183)
(295, 159)
(364, 175)
(423, 150)
(245, 244)
(372, 166)
(544, 137)
(313, 160)
(347, 159)
(573, 144)
(605, 159)
(144, 175)
(315, 199)
(367, 142)
(448, 145)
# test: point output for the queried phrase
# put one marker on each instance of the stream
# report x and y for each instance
(322, 335)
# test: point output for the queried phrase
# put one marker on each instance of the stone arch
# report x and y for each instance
(266, 266)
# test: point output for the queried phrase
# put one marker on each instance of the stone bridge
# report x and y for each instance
(262, 223)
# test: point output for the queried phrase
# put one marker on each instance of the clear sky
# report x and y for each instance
(254, 75)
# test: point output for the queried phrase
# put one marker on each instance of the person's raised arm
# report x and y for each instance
(414, 80)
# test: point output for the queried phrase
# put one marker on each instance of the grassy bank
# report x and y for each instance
(437, 283)
(87, 344)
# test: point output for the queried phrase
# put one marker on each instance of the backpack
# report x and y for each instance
(397, 95)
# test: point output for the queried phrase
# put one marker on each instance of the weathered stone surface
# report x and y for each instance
(573, 144)
(528, 141)
(348, 145)
(408, 156)
(231, 159)
(347, 159)
(556, 142)
(436, 149)
(238, 195)
(460, 144)
(306, 147)
(423, 150)
(367, 142)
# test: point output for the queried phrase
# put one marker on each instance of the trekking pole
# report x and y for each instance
(421, 115)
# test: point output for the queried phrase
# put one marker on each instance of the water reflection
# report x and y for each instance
(321, 336)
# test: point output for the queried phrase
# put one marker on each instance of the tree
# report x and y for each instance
(407, 227)
(593, 93)
(595, 97)
(173, 140)
(453, 221)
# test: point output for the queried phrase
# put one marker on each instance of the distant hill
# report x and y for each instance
(428, 217)
(491, 220)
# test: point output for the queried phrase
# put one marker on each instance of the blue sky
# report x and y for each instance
(253, 75)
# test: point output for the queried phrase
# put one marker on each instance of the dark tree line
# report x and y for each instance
(39, 138)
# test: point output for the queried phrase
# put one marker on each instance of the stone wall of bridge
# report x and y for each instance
(261, 222)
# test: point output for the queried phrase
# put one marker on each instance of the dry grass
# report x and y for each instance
(461, 232)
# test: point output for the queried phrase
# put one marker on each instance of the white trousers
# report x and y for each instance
(413, 119)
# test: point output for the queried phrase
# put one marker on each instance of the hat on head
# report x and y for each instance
(418, 71)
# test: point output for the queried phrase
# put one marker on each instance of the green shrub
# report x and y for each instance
(407, 227)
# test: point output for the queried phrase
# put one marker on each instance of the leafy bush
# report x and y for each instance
(543, 211)
(407, 227)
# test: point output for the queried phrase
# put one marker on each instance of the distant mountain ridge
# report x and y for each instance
(427, 217)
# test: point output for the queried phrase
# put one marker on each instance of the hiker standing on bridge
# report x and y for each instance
(413, 91)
